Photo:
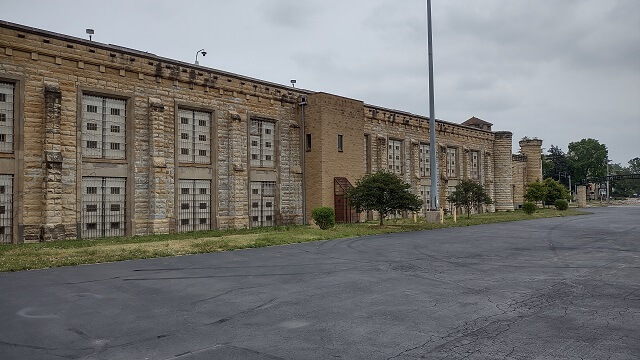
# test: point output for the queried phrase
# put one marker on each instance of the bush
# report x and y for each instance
(324, 216)
(561, 204)
(529, 207)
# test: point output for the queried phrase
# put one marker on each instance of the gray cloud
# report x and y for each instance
(558, 70)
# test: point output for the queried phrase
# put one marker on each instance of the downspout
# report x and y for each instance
(303, 102)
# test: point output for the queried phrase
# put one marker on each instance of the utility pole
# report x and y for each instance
(432, 120)
(608, 179)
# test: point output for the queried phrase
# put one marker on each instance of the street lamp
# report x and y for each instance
(204, 53)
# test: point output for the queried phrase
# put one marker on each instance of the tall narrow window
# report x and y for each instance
(367, 153)
(103, 207)
(103, 127)
(395, 156)
(262, 143)
(425, 160)
(6, 116)
(451, 162)
(425, 193)
(194, 136)
(339, 143)
(262, 203)
(194, 199)
(6, 206)
(308, 143)
(475, 167)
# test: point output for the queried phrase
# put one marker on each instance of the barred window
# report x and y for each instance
(262, 143)
(103, 207)
(195, 136)
(6, 206)
(425, 193)
(195, 205)
(475, 165)
(262, 200)
(425, 160)
(104, 121)
(7, 102)
(451, 162)
(395, 156)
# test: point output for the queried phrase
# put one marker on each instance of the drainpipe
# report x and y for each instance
(302, 103)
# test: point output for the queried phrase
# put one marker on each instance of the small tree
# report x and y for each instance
(383, 192)
(529, 208)
(536, 191)
(469, 194)
(324, 216)
(555, 191)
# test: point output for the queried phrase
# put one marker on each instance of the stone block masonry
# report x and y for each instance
(53, 76)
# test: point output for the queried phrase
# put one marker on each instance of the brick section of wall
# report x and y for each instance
(330, 116)
(502, 158)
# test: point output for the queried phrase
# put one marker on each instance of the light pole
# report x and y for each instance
(432, 119)
(204, 53)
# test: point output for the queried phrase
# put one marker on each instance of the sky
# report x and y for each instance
(560, 71)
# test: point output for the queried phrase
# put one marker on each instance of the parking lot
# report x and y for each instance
(560, 288)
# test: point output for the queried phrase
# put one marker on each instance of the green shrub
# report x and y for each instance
(561, 204)
(529, 207)
(324, 216)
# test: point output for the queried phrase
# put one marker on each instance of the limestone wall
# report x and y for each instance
(503, 192)
(54, 71)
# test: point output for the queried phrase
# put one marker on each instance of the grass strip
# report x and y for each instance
(75, 252)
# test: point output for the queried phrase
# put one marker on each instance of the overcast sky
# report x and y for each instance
(557, 70)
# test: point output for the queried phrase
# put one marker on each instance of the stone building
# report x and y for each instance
(100, 140)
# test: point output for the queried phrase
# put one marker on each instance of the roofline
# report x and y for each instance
(426, 117)
(144, 54)
(152, 56)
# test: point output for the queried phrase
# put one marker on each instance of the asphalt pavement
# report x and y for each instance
(559, 288)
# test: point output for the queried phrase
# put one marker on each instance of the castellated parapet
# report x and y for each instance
(532, 149)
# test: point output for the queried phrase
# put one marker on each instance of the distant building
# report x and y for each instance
(100, 140)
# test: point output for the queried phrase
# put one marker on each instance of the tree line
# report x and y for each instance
(588, 159)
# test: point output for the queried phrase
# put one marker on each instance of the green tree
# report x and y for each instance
(587, 159)
(536, 191)
(555, 191)
(383, 192)
(555, 165)
(634, 165)
(469, 194)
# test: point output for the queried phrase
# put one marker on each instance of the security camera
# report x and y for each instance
(204, 53)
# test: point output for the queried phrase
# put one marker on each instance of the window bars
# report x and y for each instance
(194, 138)
(475, 173)
(6, 116)
(194, 201)
(262, 201)
(103, 127)
(425, 193)
(425, 160)
(6, 209)
(395, 156)
(451, 162)
(262, 143)
(103, 207)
